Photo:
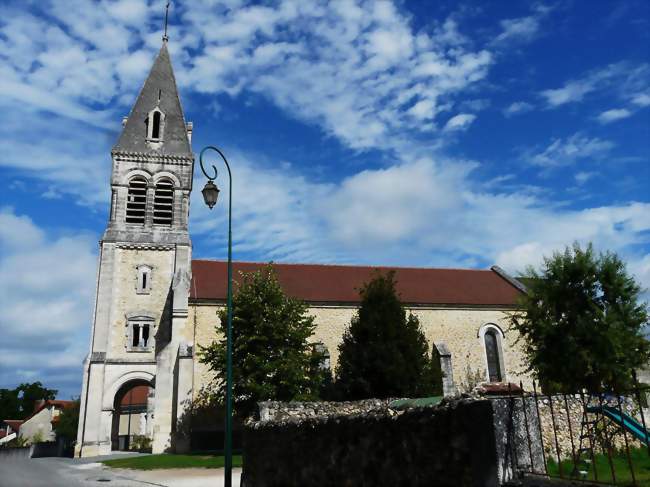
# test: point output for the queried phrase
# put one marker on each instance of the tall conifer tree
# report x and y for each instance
(384, 353)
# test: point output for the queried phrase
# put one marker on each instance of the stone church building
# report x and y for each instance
(155, 304)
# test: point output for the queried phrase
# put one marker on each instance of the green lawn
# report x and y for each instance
(168, 460)
(640, 463)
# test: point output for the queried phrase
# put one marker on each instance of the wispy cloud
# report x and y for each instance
(460, 121)
(564, 152)
(613, 115)
(517, 108)
(624, 79)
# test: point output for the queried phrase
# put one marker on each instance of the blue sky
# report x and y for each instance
(455, 134)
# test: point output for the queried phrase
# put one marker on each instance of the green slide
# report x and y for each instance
(626, 421)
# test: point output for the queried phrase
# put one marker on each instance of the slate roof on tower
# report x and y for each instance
(160, 90)
(337, 284)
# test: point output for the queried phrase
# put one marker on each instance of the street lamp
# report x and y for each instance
(210, 195)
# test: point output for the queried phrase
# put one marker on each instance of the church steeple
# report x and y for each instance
(156, 123)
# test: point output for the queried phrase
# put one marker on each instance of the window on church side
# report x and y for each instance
(163, 202)
(136, 200)
(493, 359)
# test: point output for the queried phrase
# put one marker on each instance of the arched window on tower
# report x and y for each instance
(155, 129)
(492, 355)
(163, 202)
(155, 125)
(136, 200)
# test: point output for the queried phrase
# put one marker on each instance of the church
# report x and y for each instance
(155, 305)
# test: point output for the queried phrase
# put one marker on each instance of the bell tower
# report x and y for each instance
(140, 339)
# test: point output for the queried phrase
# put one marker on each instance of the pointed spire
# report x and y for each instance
(159, 91)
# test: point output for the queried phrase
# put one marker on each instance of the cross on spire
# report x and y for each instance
(165, 37)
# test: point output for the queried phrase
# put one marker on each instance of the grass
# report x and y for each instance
(168, 460)
(640, 462)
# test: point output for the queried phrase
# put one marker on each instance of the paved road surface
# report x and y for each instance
(68, 472)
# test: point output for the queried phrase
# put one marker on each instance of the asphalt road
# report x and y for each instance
(68, 472)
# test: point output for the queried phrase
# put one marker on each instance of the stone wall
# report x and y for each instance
(456, 328)
(367, 443)
(568, 415)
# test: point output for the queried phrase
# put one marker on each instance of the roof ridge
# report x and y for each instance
(296, 264)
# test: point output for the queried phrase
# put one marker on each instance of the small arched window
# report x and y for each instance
(136, 200)
(492, 355)
(163, 202)
(155, 129)
(155, 125)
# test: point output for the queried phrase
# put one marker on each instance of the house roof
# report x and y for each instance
(317, 283)
(50, 402)
(13, 423)
(159, 90)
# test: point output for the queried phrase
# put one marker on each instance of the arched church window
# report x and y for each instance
(492, 354)
(155, 129)
(136, 200)
(163, 202)
(155, 125)
(143, 279)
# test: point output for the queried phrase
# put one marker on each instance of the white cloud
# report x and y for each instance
(460, 121)
(582, 177)
(564, 152)
(524, 28)
(402, 213)
(623, 79)
(46, 294)
(613, 115)
(516, 108)
(641, 99)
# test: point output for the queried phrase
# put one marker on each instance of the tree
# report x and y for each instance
(582, 322)
(19, 403)
(272, 356)
(68, 422)
(383, 353)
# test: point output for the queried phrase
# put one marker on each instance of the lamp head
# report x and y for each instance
(210, 194)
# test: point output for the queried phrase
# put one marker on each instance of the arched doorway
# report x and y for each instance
(132, 414)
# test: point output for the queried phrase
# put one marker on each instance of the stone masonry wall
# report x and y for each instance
(457, 328)
(568, 418)
(368, 444)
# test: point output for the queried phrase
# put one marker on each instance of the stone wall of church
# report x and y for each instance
(126, 300)
(457, 328)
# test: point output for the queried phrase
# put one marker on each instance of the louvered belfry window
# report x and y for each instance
(163, 202)
(136, 201)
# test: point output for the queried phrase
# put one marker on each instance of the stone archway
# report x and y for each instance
(132, 413)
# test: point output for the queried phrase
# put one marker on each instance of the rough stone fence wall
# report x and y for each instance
(10, 453)
(460, 442)
(562, 416)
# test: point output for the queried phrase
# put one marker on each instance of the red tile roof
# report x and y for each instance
(40, 405)
(13, 423)
(318, 283)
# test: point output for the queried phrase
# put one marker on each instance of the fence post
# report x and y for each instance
(523, 405)
(568, 418)
(638, 398)
(627, 446)
(557, 444)
(607, 442)
(539, 423)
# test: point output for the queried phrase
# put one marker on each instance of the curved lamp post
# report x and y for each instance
(210, 195)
